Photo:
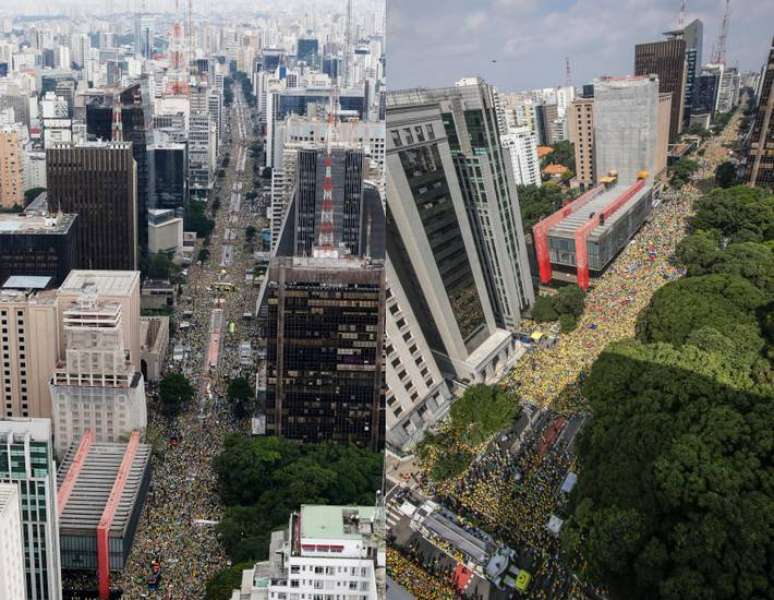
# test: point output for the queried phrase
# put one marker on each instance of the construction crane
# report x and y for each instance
(719, 51)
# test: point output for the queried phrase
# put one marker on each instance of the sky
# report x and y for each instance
(434, 43)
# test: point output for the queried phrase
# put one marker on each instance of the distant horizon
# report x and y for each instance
(519, 45)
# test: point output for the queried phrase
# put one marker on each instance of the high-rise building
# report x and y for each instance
(26, 460)
(12, 581)
(693, 34)
(706, 86)
(30, 352)
(520, 145)
(325, 550)
(97, 181)
(307, 50)
(759, 166)
(347, 168)
(580, 121)
(201, 148)
(667, 60)
(11, 168)
(626, 126)
(325, 343)
(430, 239)
(143, 35)
(95, 387)
(168, 176)
(728, 91)
(487, 182)
(38, 244)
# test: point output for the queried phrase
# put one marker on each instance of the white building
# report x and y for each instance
(520, 144)
(165, 231)
(34, 168)
(327, 552)
(27, 461)
(96, 387)
(12, 583)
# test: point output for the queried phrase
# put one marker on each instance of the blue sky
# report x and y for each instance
(435, 42)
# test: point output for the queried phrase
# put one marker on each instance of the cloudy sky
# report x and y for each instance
(435, 42)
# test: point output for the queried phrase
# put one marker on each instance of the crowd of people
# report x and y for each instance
(416, 576)
(177, 524)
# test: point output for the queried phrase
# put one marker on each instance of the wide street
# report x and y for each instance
(183, 504)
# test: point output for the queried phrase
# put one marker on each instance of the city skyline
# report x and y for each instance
(529, 40)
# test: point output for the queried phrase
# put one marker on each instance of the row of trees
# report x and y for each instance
(566, 306)
(675, 497)
(536, 203)
(482, 411)
(262, 480)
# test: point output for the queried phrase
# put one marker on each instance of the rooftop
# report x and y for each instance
(89, 496)
(26, 224)
(110, 283)
(9, 492)
(334, 522)
(27, 282)
(39, 429)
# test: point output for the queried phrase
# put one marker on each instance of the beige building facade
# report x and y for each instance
(11, 168)
(580, 120)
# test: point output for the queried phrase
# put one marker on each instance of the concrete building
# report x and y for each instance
(580, 121)
(693, 35)
(98, 181)
(95, 387)
(520, 145)
(34, 169)
(165, 231)
(662, 135)
(442, 275)
(12, 583)
(11, 168)
(728, 90)
(626, 126)
(154, 336)
(759, 165)
(667, 60)
(325, 344)
(96, 532)
(325, 551)
(31, 350)
(486, 180)
(38, 243)
(202, 153)
(27, 461)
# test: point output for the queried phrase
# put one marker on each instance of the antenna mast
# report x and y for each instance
(719, 55)
(681, 17)
(567, 72)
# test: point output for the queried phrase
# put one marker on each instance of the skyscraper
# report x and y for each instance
(11, 168)
(667, 60)
(580, 121)
(693, 34)
(760, 161)
(98, 181)
(520, 145)
(26, 460)
(12, 580)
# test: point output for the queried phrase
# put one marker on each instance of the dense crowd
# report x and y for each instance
(176, 527)
(416, 577)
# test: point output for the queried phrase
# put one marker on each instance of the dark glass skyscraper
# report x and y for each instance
(97, 181)
(137, 128)
(667, 60)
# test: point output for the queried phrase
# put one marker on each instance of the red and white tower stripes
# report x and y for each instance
(326, 236)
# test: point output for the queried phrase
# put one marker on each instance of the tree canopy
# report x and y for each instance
(725, 174)
(241, 395)
(538, 202)
(175, 392)
(675, 496)
(196, 220)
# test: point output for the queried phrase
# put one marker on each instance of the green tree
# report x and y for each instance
(250, 232)
(535, 203)
(203, 255)
(175, 392)
(682, 171)
(567, 322)
(240, 394)
(739, 213)
(725, 174)
(221, 585)
(563, 154)
(159, 266)
(196, 220)
(543, 310)
(482, 411)
(570, 300)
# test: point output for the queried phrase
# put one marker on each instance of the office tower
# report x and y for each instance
(692, 34)
(580, 121)
(136, 127)
(98, 181)
(95, 387)
(29, 318)
(12, 583)
(430, 239)
(550, 128)
(520, 145)
(38, 243)
(201, 147)
(168, 176)
(728, 90)
(347, 181)
(487, 182)
(325, 342)
(143, 35)
(11, 168)
(26, 460)
(706, 87)
(114, 287)
(759, 166)
(418, 395)
(34, 168)
(625, 120)
(324, 549)
(667, 60)
(307, 50)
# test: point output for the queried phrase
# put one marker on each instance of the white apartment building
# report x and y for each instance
(11, 546)
(520, 144)
(327, 553)
(95, 387)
